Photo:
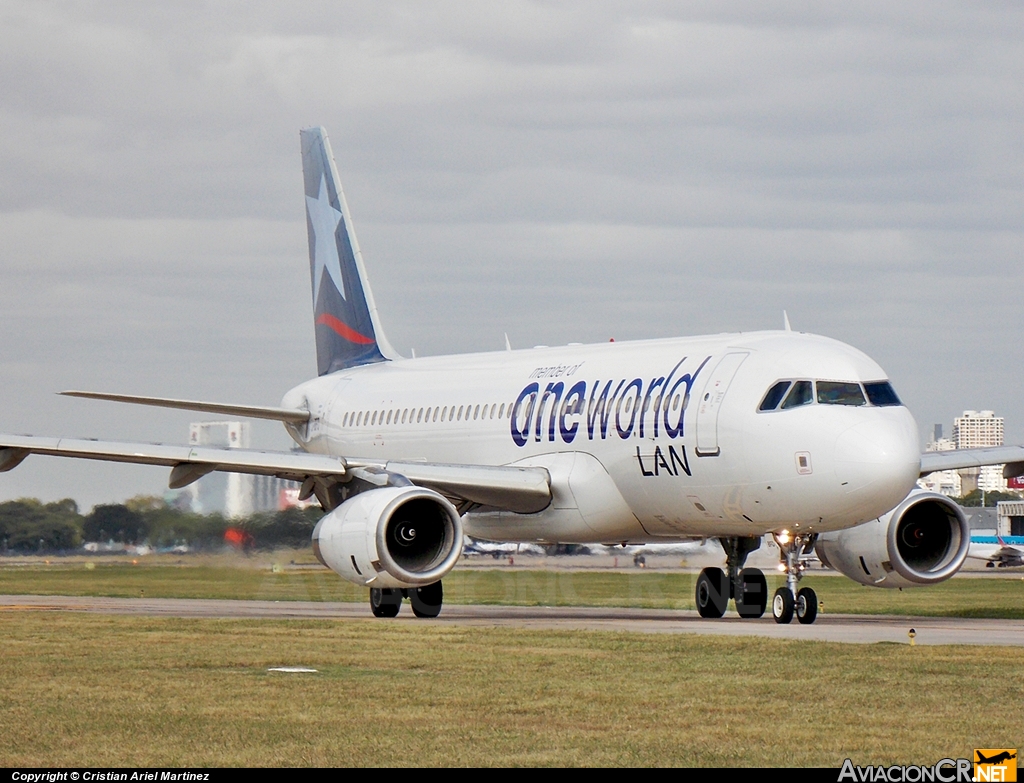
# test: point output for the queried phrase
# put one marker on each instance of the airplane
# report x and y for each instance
(727, 437)
(997, 552)
(996, 759)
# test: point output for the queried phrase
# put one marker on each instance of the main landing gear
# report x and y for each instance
(426, 601)
(794, 551)
(747, 586)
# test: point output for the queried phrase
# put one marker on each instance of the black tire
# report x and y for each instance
(782, 605)
(426, 601)
(752, 593)
(385, 601)
(806, 605)
(712, 592)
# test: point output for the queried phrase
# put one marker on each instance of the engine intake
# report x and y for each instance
(391, 537)
(923, 541)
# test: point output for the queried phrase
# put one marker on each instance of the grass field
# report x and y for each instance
(961, 596)
(79, 690)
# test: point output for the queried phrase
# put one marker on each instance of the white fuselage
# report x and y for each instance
(644, 441)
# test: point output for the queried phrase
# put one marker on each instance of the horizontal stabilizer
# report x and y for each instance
(290, 415)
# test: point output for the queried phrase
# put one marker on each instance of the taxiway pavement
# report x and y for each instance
(857, 629)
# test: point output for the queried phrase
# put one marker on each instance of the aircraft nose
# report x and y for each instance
(881, 454)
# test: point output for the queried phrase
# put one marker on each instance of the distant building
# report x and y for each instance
(974, 430)
(234, 494)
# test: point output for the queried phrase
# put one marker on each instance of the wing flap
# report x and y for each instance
(522, 490)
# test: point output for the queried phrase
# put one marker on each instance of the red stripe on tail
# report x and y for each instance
(352, 336)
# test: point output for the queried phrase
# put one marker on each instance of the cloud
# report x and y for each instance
(559, 171)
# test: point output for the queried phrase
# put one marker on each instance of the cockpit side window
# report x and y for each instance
(881, 393)
(838, 393)
(802, 393)
(774, 396)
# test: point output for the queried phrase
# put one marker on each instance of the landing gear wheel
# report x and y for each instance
(752, 593)
(806, 605)
(712, 593)
(385, 601)
(782, 605)
(426, 601)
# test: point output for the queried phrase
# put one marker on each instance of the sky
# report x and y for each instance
(557, 171)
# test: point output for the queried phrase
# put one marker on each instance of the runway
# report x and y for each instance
(853, 629)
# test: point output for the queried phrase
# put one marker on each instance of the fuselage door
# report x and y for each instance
(711, 403)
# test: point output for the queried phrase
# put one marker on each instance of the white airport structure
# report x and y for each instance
(234, 494)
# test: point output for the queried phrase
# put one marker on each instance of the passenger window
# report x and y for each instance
(501, 411)
(459, 416)
(836, 393)
(802, 393)
(774, 396)
(881, 394)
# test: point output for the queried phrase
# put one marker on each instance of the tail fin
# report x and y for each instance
(348, 332)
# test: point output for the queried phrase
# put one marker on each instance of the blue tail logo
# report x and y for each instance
(345, 318)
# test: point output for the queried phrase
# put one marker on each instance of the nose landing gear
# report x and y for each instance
(795, 551)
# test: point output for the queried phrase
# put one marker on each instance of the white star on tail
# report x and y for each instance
(324, 219)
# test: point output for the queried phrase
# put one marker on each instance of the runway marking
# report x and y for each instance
(852, 629)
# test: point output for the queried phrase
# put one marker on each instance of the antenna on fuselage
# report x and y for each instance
(785, 321)
(508, 345)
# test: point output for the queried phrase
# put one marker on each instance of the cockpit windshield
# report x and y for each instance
(834, 393)
(795, 393)
(801, 394)
(881, 393)
(774, 396)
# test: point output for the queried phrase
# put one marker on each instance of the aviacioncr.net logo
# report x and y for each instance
(943, 771)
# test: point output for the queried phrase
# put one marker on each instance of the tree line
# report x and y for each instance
(31, 526)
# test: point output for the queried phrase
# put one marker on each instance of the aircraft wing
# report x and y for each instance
(522, 490)
(1010, 456)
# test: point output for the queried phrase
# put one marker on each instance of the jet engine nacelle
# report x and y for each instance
(922, 541)
(390, 537)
